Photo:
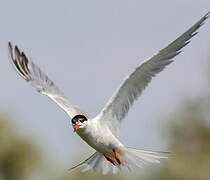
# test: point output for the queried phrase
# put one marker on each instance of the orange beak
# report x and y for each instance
(76, 126)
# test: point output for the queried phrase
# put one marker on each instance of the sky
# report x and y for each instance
(87, 48)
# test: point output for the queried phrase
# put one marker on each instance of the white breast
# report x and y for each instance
(99, 137)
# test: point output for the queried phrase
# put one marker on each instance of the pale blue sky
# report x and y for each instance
(87, 48)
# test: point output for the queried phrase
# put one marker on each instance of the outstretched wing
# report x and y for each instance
(133, 85)
(29, 71)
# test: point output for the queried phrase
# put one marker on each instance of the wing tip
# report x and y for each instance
(207, 14)
(19, 61)
(10, 49)
(9, 44)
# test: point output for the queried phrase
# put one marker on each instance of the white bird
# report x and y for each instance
(102, 131)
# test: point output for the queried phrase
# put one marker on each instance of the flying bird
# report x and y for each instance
(102, 131)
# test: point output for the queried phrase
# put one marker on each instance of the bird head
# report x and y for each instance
(79, 122)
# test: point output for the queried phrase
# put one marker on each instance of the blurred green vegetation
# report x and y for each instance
(189, 138)
(19, 158)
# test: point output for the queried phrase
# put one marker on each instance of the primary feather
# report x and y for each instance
(133, 85)
(29, 71)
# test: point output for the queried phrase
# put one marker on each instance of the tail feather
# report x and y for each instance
(140, 158)
(131, 158)
(97, 162)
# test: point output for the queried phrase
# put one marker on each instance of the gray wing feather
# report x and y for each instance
(29, 71)
(133, 85)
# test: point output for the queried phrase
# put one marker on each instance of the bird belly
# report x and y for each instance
(102, 143)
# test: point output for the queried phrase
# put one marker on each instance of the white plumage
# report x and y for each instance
(134, 84)
(28, 70)
(102, 131)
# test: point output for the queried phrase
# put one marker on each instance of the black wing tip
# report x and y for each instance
(10, 49)
(19, 61)
(207, 14)
(17, 52)
(9, 44)
(204, 18)
(200, 23)
(14, 50)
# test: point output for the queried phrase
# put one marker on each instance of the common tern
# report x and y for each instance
(102, 131)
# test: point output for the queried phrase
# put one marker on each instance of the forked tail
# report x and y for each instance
(135, 158)
(131, 159)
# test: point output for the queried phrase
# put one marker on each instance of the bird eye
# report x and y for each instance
(82, 120)
(73, 121)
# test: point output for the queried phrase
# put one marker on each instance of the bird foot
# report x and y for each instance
(110, 160)
(116, 156)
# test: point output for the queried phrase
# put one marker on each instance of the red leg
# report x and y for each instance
(110, 160)
(116, 156)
